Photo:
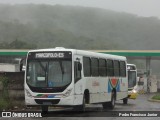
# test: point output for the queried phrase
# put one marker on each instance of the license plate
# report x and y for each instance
(47, 103)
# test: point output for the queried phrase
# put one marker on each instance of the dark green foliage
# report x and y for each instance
(156, 97)
(42, 26)
(4, 99)
(4, 80)
(17, 44)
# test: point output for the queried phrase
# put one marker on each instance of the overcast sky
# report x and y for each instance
(145, 8)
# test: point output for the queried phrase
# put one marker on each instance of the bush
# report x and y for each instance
(4, 104)
(156, 97)
(4, 99)
(4, 80)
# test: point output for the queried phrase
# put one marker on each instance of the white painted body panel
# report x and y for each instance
(97, 86)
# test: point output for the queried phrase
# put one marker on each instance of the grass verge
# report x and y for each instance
(4, 95)
(156, 97)
(4, 104)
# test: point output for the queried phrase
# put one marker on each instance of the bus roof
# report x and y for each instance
(81, 52)
(131, 64)
(131, 67)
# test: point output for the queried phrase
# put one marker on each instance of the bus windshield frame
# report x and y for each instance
(49, 74)
(132, 78)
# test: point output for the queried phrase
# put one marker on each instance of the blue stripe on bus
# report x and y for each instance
(110, 88)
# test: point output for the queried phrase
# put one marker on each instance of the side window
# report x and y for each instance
(110, 70)
(122, 69)
(87, 66)
(116, 68)
(77, 71)
(94, 67)
(102, 67)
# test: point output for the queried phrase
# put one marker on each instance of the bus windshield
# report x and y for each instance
(131, 79)
(48, 73)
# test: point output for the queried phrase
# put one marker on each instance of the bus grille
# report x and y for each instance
(40, 101)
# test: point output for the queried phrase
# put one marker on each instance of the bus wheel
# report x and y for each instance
(125, 100)
(82, 107)
(44, 109)
(111, 104)
(105, 105)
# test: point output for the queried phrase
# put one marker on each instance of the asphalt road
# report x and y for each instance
(96, 112)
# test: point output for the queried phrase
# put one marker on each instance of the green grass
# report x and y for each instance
(4, 95)
(4, 104)
(156, 97)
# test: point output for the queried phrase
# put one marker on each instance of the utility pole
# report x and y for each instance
(148, 66)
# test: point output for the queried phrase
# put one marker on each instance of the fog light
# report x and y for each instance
(134, 91)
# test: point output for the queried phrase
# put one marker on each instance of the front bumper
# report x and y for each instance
(132, 95)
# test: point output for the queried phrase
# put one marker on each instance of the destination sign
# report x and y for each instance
(49, 55)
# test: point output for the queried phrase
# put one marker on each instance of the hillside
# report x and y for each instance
(44, 26)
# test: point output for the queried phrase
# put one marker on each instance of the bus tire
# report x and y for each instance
(111, 104)
(82, 107)
(44, 109)
(125, 100)
(113, 99)
(105, 105)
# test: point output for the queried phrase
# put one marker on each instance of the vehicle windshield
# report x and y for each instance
(131, 79)
(48, 73)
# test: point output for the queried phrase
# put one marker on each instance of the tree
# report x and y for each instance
(17, 44)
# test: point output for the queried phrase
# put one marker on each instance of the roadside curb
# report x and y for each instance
(152, 100)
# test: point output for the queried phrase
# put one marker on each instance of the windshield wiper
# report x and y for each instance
(45, 69)
(46, 73)
(62, 69)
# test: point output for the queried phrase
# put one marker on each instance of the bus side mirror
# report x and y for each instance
(22, 65)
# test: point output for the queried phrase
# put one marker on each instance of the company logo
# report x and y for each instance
(6, 114)
(113, 83)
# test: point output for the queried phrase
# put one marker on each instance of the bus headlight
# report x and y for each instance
(28, 93)
(134, 91)
(67, 93)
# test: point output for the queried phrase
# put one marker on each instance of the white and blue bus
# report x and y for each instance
(70, 77)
